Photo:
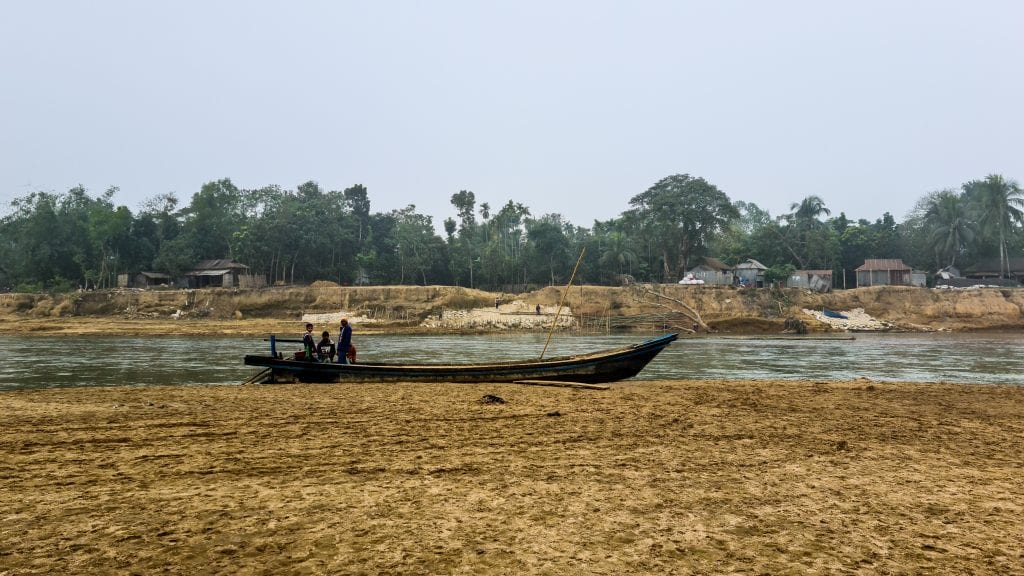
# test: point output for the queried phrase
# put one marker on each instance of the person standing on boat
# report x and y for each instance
(308, 344)
(344, 341)
(325, 348)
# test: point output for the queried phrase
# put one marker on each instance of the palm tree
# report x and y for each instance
(999, 203)
(802, 221)
(617, 252)
(810, 208)
(951, 228)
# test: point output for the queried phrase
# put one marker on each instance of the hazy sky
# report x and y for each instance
(566, 106)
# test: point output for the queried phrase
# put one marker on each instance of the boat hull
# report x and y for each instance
(593, 368)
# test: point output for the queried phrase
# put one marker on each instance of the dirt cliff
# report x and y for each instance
(430, 308)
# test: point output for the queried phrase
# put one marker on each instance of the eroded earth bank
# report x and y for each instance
(446, 308)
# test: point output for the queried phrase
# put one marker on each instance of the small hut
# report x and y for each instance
(989, 269)
(712, 271)
(884, 272)
(151, 279)
(816, 280)
(215, 273)
(751, 273)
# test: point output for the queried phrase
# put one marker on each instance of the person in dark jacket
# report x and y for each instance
(325, 349)
(344, 341)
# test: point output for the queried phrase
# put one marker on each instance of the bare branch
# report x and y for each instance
(646, 294)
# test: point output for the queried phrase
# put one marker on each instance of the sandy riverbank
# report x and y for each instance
(432, 309)
(657, 477)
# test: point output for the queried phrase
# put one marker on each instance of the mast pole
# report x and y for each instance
(560, 304)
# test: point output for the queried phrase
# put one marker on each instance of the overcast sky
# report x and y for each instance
(569, 107)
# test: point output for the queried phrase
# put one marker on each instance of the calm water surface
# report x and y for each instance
(52, 361)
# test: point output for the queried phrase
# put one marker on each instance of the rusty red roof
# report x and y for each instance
(883, 264)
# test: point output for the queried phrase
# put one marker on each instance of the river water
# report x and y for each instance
(59, 361)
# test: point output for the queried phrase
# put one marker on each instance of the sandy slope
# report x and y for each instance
(451, 308)
(658, 478)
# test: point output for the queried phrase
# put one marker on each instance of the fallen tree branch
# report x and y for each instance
(646, 294)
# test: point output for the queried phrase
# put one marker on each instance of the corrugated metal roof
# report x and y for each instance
(715, 264)
(218, 264)
(991, 266)
(883, 264)
(751, 264)
(814, 272)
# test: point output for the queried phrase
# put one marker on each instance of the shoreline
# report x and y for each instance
(115, 326)
(452, 309)
(649, 477)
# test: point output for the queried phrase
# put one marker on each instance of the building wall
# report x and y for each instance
(883, 278)
(753, 276)
(713, 277)
(252, 281)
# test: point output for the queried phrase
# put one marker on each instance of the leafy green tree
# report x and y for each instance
(212, 217)
(30, 242)
(357, 201)
(737, 241)
(547, 249)
(420, 251)
(682, 214)
(379, 259)
(156, 223)
(465, 204)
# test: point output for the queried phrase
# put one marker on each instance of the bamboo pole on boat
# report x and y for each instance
(560, 304)
(257, 376)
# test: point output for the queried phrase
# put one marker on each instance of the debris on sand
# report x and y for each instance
(508, 315)
(856, 319)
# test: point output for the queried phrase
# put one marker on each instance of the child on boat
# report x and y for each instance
(308, 345)
(325, 349)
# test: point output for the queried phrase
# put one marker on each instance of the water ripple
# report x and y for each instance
(52, 361)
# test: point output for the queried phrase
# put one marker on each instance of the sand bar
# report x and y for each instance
(667, 477)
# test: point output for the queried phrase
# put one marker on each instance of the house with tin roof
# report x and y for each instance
(712, 271)
(215, 273)
(884, 272)
(816, 280)
(751, 273)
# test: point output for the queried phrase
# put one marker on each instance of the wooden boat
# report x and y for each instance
(591, 368)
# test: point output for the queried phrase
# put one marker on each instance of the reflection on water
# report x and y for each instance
(50, 361)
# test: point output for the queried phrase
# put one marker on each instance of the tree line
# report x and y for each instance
(63, 241)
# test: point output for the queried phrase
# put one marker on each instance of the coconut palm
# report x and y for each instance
(805, 235)
(617, 252)
(999, 204)
(808, 209)
(951, 227)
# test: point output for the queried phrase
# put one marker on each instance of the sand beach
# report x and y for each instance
(665, 477)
